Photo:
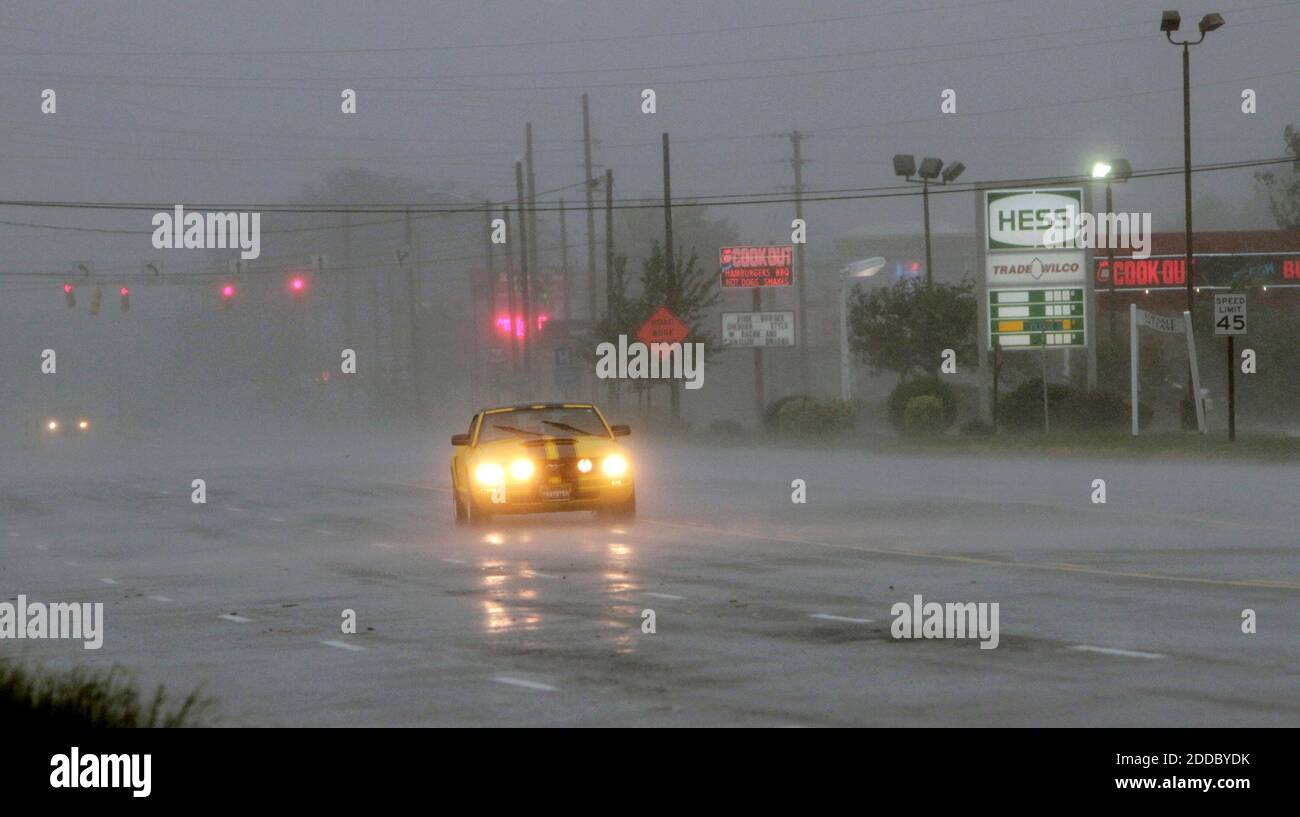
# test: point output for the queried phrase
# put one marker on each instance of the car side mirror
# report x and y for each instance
(460, 439)
(621, 430)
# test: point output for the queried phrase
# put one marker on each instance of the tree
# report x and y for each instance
(905, 328)
(688, 292)
(1284, 191)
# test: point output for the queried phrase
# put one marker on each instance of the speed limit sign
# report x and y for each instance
(1229, 314)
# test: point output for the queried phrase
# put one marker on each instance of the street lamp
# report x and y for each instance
(1169, 23)
(865, 268)
(930, 169)
(1118, 170)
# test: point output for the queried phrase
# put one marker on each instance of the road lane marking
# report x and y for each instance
(520, 682)
(665, 596)
(235, 618)
(235, 510)
(456, 561)
(830, 617)
(324, 532)
(73, 564)
(948, 557)
(1116, 651)
(528, 574)
(383, 545)
(275, 519)
(162, 599)
(343, 645)
(107, 580)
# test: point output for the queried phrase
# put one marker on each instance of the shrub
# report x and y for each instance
(726, 427)
(976, 427)
(773, 409)
(920, 387)
(924, 416)
(1070, 409)
(804, 416)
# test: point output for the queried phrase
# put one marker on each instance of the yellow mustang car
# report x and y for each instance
(538, 458)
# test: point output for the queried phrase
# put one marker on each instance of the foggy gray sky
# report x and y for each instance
(239, 101)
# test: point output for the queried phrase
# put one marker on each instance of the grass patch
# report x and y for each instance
(81, 698)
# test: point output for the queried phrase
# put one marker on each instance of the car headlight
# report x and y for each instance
(489, 473)
(614, 465)
(521, 469)
(83, 424)
(584, 466)
(52, 425)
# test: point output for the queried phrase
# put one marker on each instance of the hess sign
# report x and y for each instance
(768, 266)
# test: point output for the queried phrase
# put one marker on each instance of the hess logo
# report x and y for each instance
(1020, 220)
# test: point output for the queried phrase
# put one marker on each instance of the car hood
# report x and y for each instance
(549, 448)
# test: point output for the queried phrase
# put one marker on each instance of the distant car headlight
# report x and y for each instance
(614, 465)
(521, 469)
(52, 425)
(83, 424)
(584, 466)
(489, 473)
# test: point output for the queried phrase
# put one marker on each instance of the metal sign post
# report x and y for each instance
(1230, 320)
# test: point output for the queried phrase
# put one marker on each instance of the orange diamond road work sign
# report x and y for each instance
(663, 327)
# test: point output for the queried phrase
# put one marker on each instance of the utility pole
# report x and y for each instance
(591, 213)
(417, 394)
(347, 292)
(670, 261)
(523, 274)
(510, 296)
(797, 162)
(532, 202)
(609, 267)
(564, 265)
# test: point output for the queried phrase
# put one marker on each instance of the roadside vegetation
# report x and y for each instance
(79, 698)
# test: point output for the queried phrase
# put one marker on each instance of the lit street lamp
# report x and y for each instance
(1118, 170)
(858, 269)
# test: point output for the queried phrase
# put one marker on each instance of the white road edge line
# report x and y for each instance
(275, 519)
(235, 618)
(665, 596)
(107, 580)
(456, 561)
(324, 532)
(830, 617)
(1116, 651)
(343, 645)
(520, 682)
(163, 599)
(530, 573)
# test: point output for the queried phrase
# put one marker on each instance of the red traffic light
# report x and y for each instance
(227, 295)
(67, 288)
(297, 285)
(126, 298)
(70, 295)
(124, 292)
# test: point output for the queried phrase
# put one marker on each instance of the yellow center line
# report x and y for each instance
(1058, 567)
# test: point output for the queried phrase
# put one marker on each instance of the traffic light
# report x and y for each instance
(70, 295)
(227, 295)
(125, 298)
(297, 285)
(96, 298)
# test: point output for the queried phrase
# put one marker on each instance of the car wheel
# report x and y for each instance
(462, 515)
(477, 516)
(622, 510)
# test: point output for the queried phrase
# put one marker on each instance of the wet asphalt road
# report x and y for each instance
(766, 612)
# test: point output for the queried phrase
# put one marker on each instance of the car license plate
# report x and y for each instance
(555, 493)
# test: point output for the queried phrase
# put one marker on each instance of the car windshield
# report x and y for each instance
(525, 424)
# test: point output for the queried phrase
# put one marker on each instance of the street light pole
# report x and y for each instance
(925, 205)
(1169, 23)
